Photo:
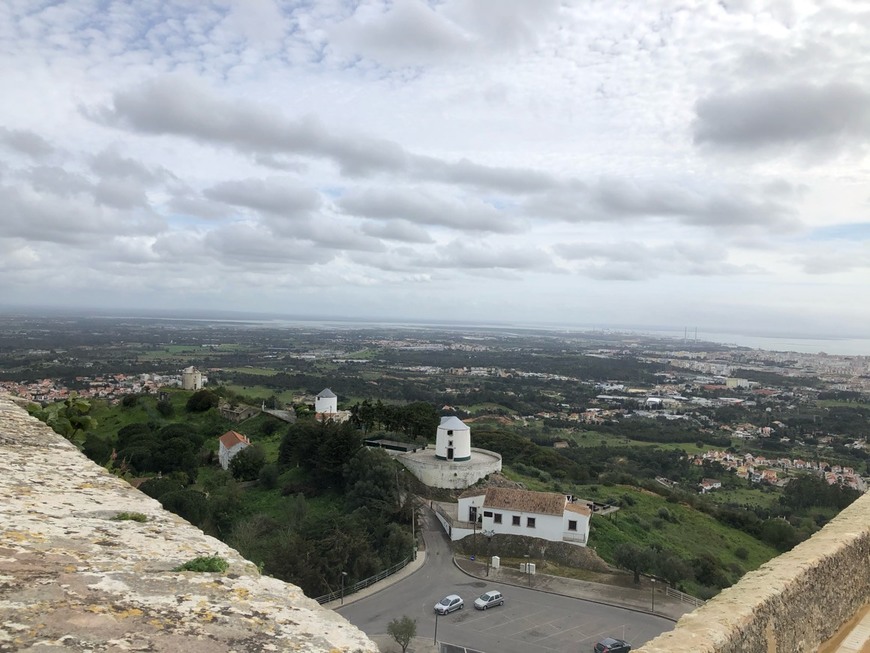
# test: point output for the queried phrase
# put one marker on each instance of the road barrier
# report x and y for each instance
(682, 596)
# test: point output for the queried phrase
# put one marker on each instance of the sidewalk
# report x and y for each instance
(404, 572)
(622, 597)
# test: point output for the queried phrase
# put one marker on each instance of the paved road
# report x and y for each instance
(529, 622)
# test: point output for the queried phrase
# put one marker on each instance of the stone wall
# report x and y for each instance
(790, 604)
(74, 579)
(451, 475)
(518, 546)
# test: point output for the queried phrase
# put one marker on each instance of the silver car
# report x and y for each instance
(488, 599)
(449, 603)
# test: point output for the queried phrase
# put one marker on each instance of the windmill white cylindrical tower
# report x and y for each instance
(326, 402)
(191, 378)
(453, 440)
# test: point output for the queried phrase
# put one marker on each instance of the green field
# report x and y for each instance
(596, 439)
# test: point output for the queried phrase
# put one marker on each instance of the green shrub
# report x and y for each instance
(741, 552)
(130, 516)
(204, 564)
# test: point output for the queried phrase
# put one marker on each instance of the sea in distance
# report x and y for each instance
(840, 346)
(801, 343)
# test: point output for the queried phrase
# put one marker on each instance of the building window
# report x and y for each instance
(487, 513)
(497, 518)
(516, 520)
(530, 522)
(572, 525)
(449, 432)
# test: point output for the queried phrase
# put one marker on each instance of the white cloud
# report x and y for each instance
(517, 160)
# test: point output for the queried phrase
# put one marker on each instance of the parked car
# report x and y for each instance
(488, 599)
(611, 645)
(449, 604)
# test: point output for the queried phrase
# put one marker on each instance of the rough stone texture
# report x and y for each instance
(72, 579)
(792, 603)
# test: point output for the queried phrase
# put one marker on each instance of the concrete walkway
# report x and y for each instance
(404, 572)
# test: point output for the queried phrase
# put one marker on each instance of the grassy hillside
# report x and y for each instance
(646, 519)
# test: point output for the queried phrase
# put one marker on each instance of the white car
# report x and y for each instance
(488, 599)
(449, 603)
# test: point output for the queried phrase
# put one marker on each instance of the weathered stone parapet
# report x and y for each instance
(73, 579)
(790, 604)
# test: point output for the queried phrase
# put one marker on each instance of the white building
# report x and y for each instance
(546, 515)
(326, 402)
(231, 443)
(737, 382)
(453, 440)
(455, 464)
(191, 378)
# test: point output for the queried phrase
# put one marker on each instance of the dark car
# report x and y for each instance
(611, 645)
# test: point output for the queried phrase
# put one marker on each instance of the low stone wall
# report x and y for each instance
(792, 603)
(451, 475)
(74, 579)
(516, 546)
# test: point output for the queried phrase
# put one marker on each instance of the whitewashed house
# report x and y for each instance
(231, 443)
(547, 515)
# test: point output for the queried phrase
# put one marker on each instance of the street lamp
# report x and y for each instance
(488, 535)
(343, 574)
(653, 580)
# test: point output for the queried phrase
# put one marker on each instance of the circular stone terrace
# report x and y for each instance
(451, 474)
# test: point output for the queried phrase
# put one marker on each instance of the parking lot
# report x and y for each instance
(545, 623)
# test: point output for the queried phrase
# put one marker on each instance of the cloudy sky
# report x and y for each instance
(666, 163)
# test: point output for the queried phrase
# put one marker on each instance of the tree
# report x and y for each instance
(96, 448)
(157, 487)
(246, 465)
(165, 408)
(633, 558)
(201, 401)
(188, 504)
(269, 476)
(403, 631)
(672, 568)
(74, 418)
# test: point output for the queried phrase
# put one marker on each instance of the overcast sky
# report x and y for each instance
(665, 163)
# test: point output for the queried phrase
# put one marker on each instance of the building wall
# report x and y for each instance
(191, 380)
(226, 455)
(447, 475)
(325, 404)
(582, 532)
(453, 443)
(547, 527)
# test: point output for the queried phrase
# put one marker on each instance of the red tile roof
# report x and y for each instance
(231, 439)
